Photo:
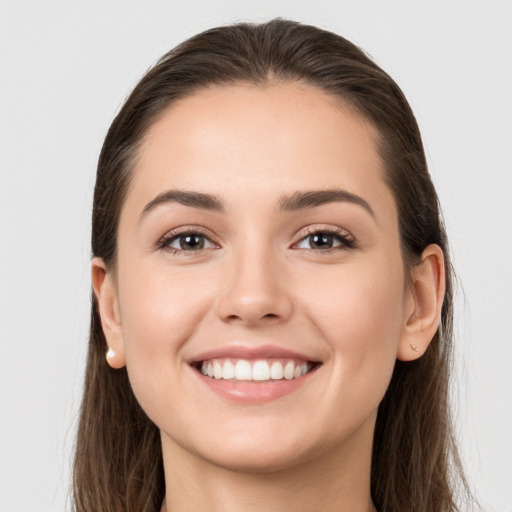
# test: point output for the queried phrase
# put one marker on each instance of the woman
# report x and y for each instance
(272, 289)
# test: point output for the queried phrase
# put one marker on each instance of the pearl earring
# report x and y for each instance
(415, 348)
(110, 354)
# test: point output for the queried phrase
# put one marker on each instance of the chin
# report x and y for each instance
(257, 460)
(257, 452)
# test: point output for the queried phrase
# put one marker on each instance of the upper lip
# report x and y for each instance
(250, 352)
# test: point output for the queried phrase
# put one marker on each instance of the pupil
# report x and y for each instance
(322, 240)
(191, 242)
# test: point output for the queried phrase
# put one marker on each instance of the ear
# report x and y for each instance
(108, 307)
(423, 304)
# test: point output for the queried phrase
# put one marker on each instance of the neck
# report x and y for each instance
(335, 481)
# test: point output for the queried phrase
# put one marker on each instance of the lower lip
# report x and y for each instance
(254, 392)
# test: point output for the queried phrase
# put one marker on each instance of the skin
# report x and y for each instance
(260, 281)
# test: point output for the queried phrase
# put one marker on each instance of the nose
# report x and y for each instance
(255, 291)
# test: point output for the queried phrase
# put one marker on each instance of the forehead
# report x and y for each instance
(262, 141)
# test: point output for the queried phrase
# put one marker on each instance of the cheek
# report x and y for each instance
(360, 315)
(159, 309)
(359, 303)
(159, 313)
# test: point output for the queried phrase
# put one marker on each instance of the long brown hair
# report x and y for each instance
(118, 461)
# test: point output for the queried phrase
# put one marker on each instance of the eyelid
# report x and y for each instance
(163, 242)
(347, 239)
(344, 236)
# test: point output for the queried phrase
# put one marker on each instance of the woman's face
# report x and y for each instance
(257, 240)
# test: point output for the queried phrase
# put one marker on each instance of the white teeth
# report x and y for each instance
(243, 370)
(228, 372)
(217, 370)
(260, 370)
(289, 370)
(276, 371)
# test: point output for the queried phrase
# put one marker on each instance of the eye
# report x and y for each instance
(325, 239)
(186, 241)
(318, 240)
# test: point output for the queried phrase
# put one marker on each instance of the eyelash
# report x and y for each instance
(345, 239)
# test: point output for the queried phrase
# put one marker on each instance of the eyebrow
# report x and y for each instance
(312, 198)
(296, 201)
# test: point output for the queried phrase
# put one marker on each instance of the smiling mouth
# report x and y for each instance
(257, 370)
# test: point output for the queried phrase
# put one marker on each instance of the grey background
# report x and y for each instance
(66, 67)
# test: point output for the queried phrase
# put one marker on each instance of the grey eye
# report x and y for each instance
(320, 241)
(190, 242)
